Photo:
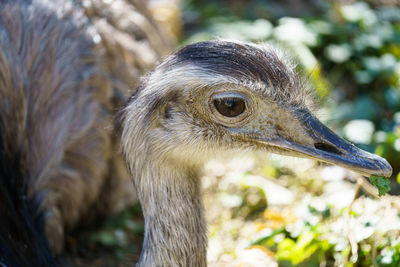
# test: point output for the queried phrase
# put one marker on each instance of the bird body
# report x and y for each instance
(65, 69)
(53, 120)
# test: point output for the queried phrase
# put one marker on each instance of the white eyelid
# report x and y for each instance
(229, 95)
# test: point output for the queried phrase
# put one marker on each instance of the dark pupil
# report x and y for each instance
(229, 107)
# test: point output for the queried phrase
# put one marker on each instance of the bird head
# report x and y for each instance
(226, 96)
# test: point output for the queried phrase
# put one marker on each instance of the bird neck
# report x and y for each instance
(175, 228)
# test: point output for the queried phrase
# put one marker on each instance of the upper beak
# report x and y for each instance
(330, 148)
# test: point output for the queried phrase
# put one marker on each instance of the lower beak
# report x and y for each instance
(330, 148)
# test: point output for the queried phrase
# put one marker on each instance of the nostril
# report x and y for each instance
(327, 148)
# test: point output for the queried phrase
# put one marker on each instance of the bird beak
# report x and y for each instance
(330, 148)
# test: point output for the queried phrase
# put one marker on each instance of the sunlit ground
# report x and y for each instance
(296, 211)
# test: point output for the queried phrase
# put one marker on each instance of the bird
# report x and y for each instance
(57, 165)
(213, 99)
(64, 72)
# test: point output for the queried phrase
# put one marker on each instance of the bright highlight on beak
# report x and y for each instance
(330, 148)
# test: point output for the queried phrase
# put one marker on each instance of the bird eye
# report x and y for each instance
(230, 106)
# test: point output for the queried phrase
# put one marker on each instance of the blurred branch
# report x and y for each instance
(366, 187)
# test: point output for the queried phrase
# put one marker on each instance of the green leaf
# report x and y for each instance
(382, 183)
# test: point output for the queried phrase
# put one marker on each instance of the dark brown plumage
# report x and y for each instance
(54, 114)
(62, 78)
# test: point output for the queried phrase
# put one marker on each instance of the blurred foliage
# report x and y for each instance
(316, 241)
(115, 242)
(308, 225)
(350, 52)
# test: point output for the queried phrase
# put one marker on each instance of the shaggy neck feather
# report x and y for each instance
(175, 228)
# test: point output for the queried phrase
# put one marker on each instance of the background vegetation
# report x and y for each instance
(293, 212)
